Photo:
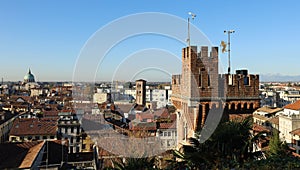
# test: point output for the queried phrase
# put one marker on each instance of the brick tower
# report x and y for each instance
(200, 88)
(140, 92)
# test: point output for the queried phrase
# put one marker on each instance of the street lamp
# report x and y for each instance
(229, 32)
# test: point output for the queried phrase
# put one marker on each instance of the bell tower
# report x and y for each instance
(140, 92)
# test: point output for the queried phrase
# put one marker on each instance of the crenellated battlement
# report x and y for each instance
(241, 84)
(201, 88)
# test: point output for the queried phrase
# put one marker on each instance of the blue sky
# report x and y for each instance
(48, 35)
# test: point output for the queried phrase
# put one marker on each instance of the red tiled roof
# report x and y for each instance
(296, 132)
(274, 120)
(173, 117)
(163, 113)
(167, 125)
(52, 113)
(143, 116)
(16, 97)
(13, 154)
(131, 116)
(293, 106)
(269, 109)
(31, 156)
(144, 126)
(259, 128)
(139, 107)
(125, 107)
(34, 126)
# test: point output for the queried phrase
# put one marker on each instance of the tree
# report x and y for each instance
(135, 163)
(228, 147)
(277, 147)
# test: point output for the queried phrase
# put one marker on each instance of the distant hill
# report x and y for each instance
(279, 78)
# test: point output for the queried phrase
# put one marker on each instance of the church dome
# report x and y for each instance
(29, 77)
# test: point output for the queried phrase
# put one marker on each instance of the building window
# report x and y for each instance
(71, 149)
(165, 133)
(72, 129)
(200, 80)
(66, 130)
(229, 80)
(298, 143)
(37, 137)
(44, 137)
(169, 133)
(51, 137)
(208, 80)
(246, 81)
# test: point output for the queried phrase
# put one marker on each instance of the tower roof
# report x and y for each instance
(29, 77)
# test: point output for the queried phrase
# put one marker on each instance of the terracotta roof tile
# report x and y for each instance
(25, 98)
(52, 113)
(34, 126)
(144, 126)
(269, 109)
(31, 156)
(125, 107)
(143, 116)
(274, 120)
(293, 106)
(259, 128)
(140, 107)
(167, 125)
(13, 154)
(296, 132)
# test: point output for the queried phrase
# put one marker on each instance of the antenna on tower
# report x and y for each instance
(229, 32)
(189, 36)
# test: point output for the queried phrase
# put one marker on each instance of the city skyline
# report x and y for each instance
(48, 37)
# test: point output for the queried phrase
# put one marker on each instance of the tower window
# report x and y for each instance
(246, 80)
(208, 80)
(200, 80)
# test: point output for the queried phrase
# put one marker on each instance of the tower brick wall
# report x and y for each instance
(200, 87)
(141, 92)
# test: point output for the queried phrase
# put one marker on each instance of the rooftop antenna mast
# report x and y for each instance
(229, 32)
(189, 36)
